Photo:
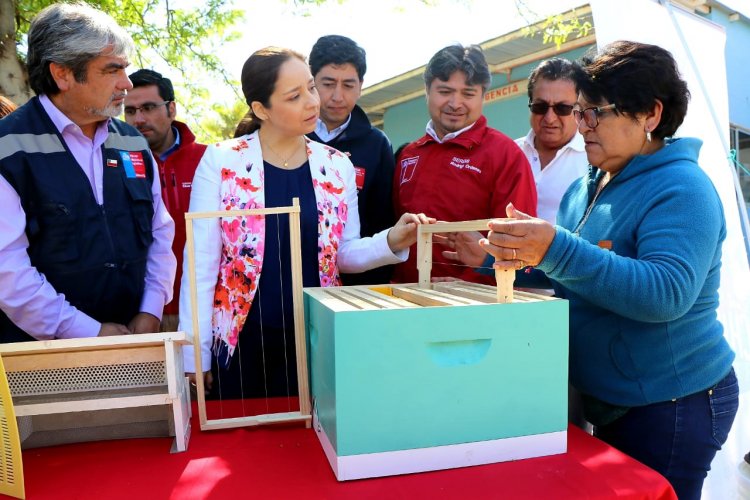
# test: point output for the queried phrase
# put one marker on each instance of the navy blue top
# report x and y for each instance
(275, 279)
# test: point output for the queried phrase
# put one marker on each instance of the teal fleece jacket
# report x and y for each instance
(643, 324)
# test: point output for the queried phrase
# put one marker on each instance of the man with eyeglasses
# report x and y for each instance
(553, 146)
(85, 240)
(150, 107)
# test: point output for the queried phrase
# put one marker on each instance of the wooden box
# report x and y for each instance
(74, 390)
(406, 379)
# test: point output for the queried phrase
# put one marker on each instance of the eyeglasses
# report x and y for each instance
(541, 108)
(591, 115)
(147, 108)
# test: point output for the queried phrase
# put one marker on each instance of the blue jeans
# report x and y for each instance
(678, 438)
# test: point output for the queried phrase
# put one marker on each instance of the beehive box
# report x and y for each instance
(406, 379)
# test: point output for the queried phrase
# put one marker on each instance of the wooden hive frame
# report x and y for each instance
(304, 414)
(84, 389)
(504, 277)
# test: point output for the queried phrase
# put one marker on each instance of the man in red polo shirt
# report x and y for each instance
(150, 107)
(461, 169)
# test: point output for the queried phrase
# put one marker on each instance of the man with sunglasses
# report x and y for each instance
(150, 107)
(553, 146)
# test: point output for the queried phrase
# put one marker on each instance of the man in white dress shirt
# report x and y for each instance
(554, 147)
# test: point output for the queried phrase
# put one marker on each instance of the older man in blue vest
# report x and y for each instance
(85, 240)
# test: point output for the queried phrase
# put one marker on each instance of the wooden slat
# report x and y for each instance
(269, 418)
(424, 256)
(69, 359)
(478, 291)
(344, 295)
(242, 213)
(295, 243)
(427, 297)
(91, 404)
(93, 343)
(449, 296)
(386, 300)
(324, 297)
(455, 288)
(505, 279)
(419, 298)
(455, 227)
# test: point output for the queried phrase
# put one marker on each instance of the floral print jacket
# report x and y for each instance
(229, 251)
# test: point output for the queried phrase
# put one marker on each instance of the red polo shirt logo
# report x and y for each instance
(408, 167)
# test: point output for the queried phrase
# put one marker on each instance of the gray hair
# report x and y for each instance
(71, 35)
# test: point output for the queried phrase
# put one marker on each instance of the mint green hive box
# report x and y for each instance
(408, 380)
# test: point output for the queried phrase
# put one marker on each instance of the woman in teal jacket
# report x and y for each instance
(637, 253)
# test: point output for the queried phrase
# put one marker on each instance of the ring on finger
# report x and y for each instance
(514, 254)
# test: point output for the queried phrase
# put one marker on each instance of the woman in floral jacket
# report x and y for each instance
(244, 299)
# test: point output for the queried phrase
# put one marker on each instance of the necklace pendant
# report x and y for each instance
(286, 164)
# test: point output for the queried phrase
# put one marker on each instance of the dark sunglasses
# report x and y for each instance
(560, 109)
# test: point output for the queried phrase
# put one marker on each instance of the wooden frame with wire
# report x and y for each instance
(504, 277)
(304, 414)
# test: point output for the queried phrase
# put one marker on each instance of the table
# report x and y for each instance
(287, 462)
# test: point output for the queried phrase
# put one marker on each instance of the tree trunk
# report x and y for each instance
(14, 83)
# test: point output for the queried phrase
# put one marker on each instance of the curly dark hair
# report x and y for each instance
(633, 76)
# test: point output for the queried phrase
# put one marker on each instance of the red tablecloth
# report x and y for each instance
(288, 462)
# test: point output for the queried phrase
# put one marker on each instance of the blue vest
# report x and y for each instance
(94, 254)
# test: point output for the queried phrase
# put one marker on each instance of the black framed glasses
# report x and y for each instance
(590, 116)
(147, 108)
(541, 108)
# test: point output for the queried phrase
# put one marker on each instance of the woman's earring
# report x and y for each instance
(648, 135)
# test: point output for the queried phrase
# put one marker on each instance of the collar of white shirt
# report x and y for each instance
(447, 137)
(324, 135)
(576, 143)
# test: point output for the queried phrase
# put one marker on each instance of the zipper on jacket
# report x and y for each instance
(590, 207)
(108, 265)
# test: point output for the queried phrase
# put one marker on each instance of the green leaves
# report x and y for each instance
(555, 29)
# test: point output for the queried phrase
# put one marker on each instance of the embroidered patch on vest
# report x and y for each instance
(359, 177)
(133, 163)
